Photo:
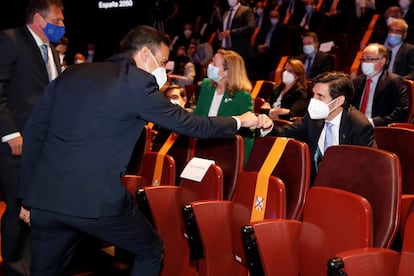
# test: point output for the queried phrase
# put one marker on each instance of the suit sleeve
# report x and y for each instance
(34, 135)
(248, 27)
(410, 64)
(7, 59)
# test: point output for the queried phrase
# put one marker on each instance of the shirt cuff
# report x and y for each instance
(237, 122)
(264, 132)
(8, 137)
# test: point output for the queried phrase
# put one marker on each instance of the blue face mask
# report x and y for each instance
(212, 73)
(309, 8)
(394, 39)
(54, 32)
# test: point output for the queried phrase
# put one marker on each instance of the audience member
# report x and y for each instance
(184, 70)
(79, 58)
(28, 61)
(184, 38)
(238, 27)
(289, 98)
(226, 91)
(91, 118)
(315, 61)
(407, 8)
(61, 48)
(269, 45)
(331, 120)
(259, 13)
(379, 94)
(176, 94)
(401, 59)
(292, 11)
(380, 32)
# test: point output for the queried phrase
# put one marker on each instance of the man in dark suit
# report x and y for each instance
(238, 27)
(315, 61)
(78, 142)
(401, 59)
(331, 120)
(269, 46)
(379, 94)
(24, 73)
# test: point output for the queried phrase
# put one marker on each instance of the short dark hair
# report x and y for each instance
(340, 84)
(175, 87)
(141, 36)
(313, 35)
(40, 6)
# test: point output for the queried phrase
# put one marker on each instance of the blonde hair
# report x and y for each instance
(236, 72)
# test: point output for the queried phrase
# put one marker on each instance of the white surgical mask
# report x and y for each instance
(318, 109)
(274, 21)
(404, 4)
(368, 68)
(61, 58)
(309, 49)
(160, 73)
(259, 11)
(213, 73)
(79, 61)
(389, 20)
(176, 102)
(91, 52)
(287, 77)
(187, 32)
(232, 3)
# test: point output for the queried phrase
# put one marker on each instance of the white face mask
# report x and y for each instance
(318, 109)
(91, 52)
(232, 3)
(404, 4)
(79, 61)
(160, 73)
(389, 20)
(274, 21)
(288, 77)
(213, 73)
(309, 49)
(175, 102)
(61, 58)
(368, 68)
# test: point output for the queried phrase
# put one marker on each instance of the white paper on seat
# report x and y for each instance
(196, 168)
(326, 46)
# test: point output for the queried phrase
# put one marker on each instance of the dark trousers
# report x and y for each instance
(14, 233)
(54, 237)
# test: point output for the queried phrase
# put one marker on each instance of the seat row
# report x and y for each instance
(209, 231)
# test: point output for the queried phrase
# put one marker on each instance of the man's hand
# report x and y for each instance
(16, 145)
(264, 122)
(248, 119)
(25, 215)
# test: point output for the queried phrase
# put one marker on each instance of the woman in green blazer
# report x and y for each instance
(226, 92)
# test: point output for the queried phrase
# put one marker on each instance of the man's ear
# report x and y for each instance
(39, 20)
(340, 100)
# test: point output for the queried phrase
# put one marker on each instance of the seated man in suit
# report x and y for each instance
(379, 94)
(401, 59)
(331, 120)
(269, 45)
(315, 61)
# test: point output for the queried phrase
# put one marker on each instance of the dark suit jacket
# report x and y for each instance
(322, 62)
(355, 129)
(390, 99)
(79, 138)
(277, 39)
(295, 99)
(404, 62)
(242, 28)
(23, 76)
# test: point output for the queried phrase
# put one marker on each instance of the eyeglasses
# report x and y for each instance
(369, 59)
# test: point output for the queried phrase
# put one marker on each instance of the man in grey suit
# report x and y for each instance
(78, 142)
(24, 72)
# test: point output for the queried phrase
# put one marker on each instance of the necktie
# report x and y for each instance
(227, 42)
(390, 64)
(364, 102)
(308, 67)
(328, 135)
(45, 55)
